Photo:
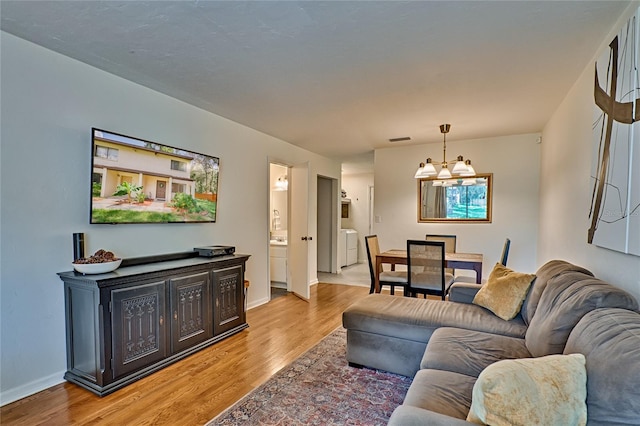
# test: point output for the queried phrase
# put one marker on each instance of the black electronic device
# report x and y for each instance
(78, 245)
(214, 251)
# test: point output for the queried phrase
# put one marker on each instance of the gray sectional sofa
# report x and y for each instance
(445, 345)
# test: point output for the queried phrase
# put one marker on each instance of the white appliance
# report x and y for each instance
(348, 247)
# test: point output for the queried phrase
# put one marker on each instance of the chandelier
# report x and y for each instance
(460, 168)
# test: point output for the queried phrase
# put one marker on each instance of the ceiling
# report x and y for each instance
(339, 78)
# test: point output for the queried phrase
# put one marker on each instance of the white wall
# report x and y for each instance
(514, 162)
(565, 187)
(357, 187)
(49, 104)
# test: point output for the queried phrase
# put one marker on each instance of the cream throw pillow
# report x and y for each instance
(504, 292)
(550, 390)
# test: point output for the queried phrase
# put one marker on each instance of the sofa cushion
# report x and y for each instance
(440, 391)
(416, 319)
(543, 275)
(406, 415)
(610, 341)
(549, 390)
(567, 298)
(474, 350)
(388, 353)
(463, 292)
(504, 291)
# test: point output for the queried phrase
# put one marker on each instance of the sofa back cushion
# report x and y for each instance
(566, 299)
(543, 275)
(610, 341)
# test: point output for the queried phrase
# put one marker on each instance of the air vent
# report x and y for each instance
(403, 139)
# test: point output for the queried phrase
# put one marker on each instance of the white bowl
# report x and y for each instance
(97, 268)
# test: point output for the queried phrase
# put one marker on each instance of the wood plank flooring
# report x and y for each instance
(196, 389)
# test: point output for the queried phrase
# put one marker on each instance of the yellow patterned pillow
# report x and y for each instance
(550, 390)
(504, 292)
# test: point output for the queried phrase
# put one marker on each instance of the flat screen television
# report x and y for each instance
(138, 181)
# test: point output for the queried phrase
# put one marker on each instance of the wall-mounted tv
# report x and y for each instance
(138, 181)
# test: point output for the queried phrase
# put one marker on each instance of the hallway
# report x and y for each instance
(356, 274)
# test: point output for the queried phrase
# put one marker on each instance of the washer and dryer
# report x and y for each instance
(348, 247)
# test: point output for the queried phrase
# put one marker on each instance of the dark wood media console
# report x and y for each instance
(147, 314)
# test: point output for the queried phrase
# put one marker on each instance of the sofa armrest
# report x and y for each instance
(463, 292)
(407, 415)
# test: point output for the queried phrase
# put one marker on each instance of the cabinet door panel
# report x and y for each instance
(278, 269)
(139, 332)
(228, 311)
(191, 310)
(83, 329)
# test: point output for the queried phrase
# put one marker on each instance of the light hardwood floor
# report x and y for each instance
(196, 389)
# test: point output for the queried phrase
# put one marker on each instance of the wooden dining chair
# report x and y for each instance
(505, 252)
(449, 245)
(391, 278)
(426, 273)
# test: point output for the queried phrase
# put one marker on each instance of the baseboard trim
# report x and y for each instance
(257, 303)
(12, 395)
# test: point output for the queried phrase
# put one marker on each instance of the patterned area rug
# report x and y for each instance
(319, 388)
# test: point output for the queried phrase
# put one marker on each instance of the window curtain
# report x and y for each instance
(441, 202)
(424, 201)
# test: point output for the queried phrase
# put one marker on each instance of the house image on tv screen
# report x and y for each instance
(137, 181)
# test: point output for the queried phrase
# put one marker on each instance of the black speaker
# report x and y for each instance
(78, 245)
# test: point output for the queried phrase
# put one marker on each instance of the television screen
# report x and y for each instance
(137, 181)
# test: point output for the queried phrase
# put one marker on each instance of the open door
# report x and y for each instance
(299, 231)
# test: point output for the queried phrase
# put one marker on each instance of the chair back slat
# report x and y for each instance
(373, 249)
(371, 243)
(448, 240)
(449, 245)
(505, 252)
(425, 267)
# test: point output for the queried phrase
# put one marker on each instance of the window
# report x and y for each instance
(107, 153)
(457, 199)
(178, 187)
(178, 165)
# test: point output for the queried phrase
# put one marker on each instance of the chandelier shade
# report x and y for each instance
(282, 184)
(461, 167)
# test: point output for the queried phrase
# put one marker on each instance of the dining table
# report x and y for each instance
(471, 261)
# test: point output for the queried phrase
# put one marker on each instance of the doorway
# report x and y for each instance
(161, 187)
(290, 240)
(327, 225)
(278, 235)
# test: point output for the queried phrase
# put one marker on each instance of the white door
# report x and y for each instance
(299, 231)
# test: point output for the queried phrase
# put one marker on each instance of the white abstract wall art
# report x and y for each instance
(615, 172)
